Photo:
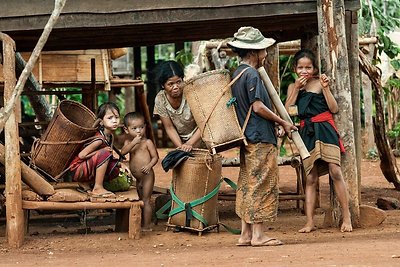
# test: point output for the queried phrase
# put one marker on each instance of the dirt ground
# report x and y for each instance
(66, 240)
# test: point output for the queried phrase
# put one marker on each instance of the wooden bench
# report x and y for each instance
(128, 210)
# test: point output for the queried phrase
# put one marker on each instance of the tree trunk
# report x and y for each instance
(39, 103)
(368, 137)
(388, 161)
(334, 60)
(367, 95)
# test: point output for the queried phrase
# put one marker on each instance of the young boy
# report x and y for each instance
(142, 157)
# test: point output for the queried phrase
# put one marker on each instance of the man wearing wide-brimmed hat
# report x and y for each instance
(257, 194)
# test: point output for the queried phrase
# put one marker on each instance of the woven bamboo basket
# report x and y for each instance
(208, 96)
(191, 180)
(71, 124)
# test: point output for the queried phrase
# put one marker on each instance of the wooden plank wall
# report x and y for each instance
(66, 66)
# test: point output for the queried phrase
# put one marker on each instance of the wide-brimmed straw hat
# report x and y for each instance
(250, 38)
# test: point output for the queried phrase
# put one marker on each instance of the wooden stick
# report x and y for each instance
(283, 113)
(36, 182)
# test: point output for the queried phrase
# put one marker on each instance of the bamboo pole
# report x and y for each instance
(14, 213)
(30, 177)
(283, 113)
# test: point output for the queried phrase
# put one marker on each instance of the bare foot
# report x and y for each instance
(244, 239)
(346, 227)
(308, 229)
(243, 242)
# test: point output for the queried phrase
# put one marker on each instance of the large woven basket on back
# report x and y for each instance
(192, 180)
(71, 124)
(210, 99)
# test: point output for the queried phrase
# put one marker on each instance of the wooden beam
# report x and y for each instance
(48, 205)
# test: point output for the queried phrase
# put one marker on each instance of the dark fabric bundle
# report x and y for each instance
(174, 158)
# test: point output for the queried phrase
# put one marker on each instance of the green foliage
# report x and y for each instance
(395, 132)
(26, 106)
(184, 57)
(232, 63)
(395, 64)
(77, 97)
(394, 83)
(372, 154)
(386, 15)
(286, 74)
(282, 149)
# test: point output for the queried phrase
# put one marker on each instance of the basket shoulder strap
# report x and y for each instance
(219, 98)
(247, 118)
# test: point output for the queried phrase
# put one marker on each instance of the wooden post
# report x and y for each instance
(137, 70)
(15, 217)
(179, 46)
(272, 63)
(140, 95)
(129, 97)
(135, 220)
(354, 71)
(334, 61)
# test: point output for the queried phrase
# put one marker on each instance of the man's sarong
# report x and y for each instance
(258, 192)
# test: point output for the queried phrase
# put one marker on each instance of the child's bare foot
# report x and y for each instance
(346, 227)
(308, 229)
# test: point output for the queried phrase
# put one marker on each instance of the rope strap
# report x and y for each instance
(187, 207)
(160, 214)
